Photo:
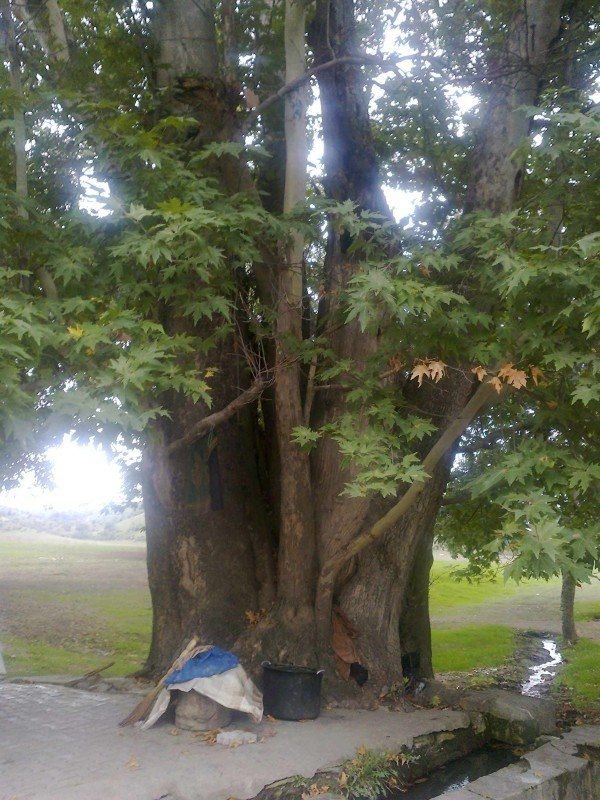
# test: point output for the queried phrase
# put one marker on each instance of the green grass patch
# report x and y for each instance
(581, 675)
(587, 610)
(17, 550)
(447, 591)
(118, 630)
(33, 657)
(471, 647)
(36, 657)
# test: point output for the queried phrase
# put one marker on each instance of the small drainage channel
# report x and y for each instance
(542, 675)
(459, 773)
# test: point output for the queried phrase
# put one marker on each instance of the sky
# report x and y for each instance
(84, 479)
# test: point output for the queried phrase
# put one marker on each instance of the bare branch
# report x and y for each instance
(212, 421)
(390, 65)
(58, 36)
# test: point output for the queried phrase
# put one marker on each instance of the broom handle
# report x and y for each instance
(153, 693)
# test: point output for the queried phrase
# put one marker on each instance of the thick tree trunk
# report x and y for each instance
(209, 554)
(296, 566)
(494, 186)
(567, 607)
(386, 594)
(209, 558)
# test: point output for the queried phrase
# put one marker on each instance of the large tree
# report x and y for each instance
(296, 367)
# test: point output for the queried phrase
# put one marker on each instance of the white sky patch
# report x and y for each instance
(85, 479)
(402, 202)
(94, 196)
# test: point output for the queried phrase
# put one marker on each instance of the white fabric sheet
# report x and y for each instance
(232, 689)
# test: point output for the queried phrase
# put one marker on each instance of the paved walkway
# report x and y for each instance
(63, 744)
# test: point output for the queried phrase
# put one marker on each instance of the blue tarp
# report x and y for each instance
(211, 662)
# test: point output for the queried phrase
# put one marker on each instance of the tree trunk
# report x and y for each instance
(296, 566)
(385, 594)
(567, 607)
(207, 527)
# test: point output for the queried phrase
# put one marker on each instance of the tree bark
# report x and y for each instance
(567, 608)
(296, 567)
(209, 551)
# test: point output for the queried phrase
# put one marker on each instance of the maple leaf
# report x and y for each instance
(515, 377)
(133, 763)
(436, 370)
(480, 371)
(419, 372)
(75, 331)
(536, 374)
(497, 384)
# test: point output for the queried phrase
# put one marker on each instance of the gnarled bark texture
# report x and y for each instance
(209, 551)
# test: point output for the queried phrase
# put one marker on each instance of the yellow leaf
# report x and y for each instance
(480, 371)
(89, 351)
(75, 331)
(436, 370)
(343, 779)
(419, 372)
(497, 384)
(133, 763)
(536, 374)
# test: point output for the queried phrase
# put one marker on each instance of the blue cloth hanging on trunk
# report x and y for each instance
(211, 662)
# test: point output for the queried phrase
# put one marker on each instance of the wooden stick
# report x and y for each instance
(90, 674)
(147, 701)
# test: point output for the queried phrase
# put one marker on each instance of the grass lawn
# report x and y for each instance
(447, 592)
(119, 631)
(587, 610)
(581, 675)
(471, 647)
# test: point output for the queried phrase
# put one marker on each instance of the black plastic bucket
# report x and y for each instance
(291, 692)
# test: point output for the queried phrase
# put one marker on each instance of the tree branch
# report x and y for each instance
(314, 71)
(207, 424)
(332, 566)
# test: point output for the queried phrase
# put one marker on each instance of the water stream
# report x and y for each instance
(459, 773)
(541, 675)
